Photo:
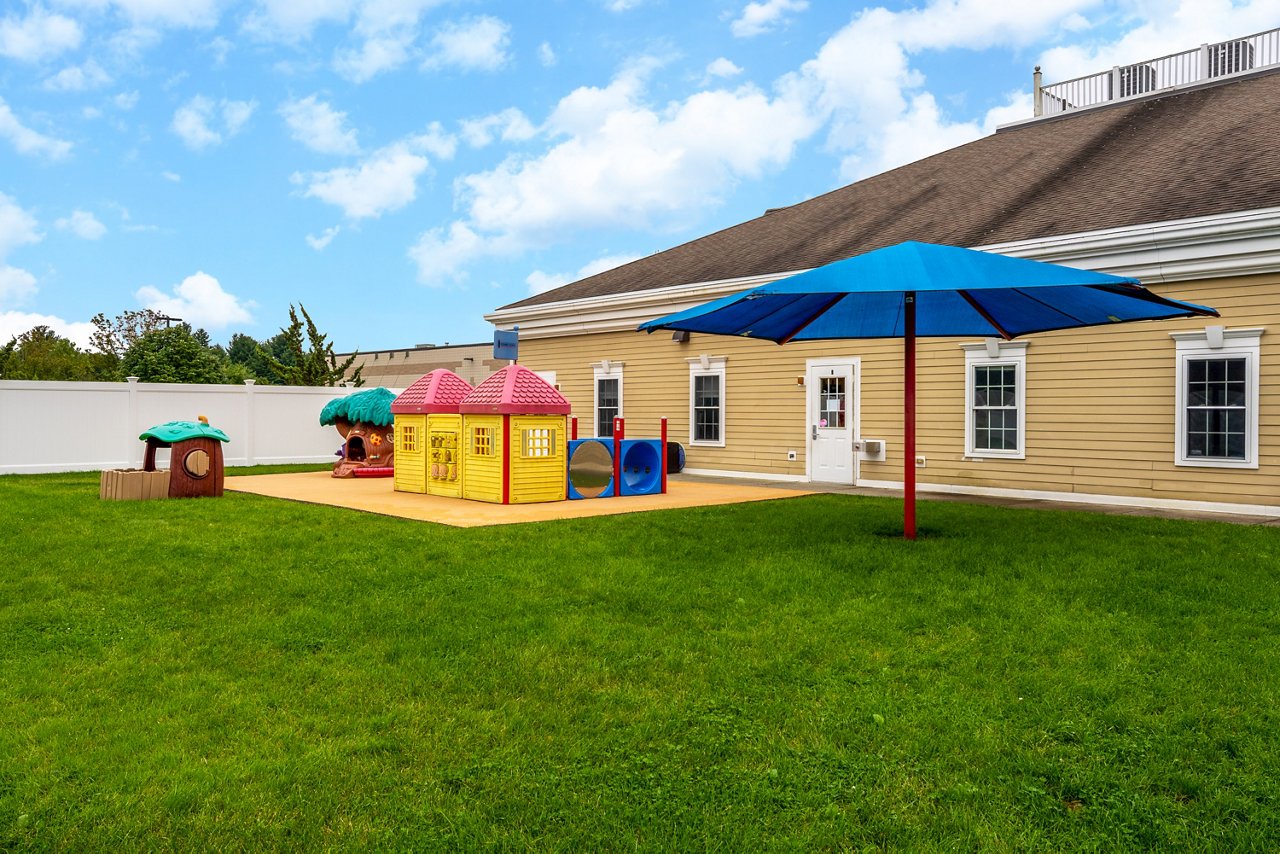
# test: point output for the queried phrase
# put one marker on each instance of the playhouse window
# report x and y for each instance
(482, 441)
(408, 439)
(538, 442)
(1217, 397)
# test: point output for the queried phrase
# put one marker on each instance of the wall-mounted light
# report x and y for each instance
(680, 336)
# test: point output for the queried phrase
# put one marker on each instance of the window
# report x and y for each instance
(706, 401)
(608, 392)
(408, 439)
(1217, 397)
(538, 442)
(482, 441)
(995, 399)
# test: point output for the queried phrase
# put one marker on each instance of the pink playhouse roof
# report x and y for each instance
(439, 391)
(515, 390)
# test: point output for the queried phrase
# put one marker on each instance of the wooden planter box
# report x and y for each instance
(134, 485)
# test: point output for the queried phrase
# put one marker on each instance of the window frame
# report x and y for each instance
(606, 369)
(995, 353)
(704, 366)
(1217, 342)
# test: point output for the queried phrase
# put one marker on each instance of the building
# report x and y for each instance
(1174, 181)
(401, 368)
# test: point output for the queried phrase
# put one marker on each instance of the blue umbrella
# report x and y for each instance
(921, 289)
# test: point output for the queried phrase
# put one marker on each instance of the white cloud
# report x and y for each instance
(38, 36)
(622, 5)
(27, 141)
(77, 78)
(723, 68)
(616, 161)
(291, 20)
(319, 126)
(220, 48)
(759, 18)
(125, 100)
(169, 13)
(325, 238)
(546, 55)
(510, 125)
(199, 300)
(474, 44)
(17, 228)
(171, 176)
(376, 55)
(385, 181)
(194, 122)
(82, 224)
(15, 323)
(434, 142)
(540, 282)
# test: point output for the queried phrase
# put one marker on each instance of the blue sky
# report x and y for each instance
(402, 167)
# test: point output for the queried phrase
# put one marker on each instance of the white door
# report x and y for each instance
(832, 413)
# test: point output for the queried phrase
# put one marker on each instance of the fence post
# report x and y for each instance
(250, 421)
(1037, 98)
(1204, 62)
(135, 454)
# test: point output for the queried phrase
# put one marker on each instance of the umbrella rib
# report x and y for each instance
(986, 315)
(811, 318)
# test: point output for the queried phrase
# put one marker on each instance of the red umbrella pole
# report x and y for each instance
(909, 416)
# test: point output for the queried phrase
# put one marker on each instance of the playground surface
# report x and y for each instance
(377, 495)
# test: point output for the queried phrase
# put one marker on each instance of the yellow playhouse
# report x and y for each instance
(428, 432)
(515, 436)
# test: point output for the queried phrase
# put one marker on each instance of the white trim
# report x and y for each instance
(1085, 498)
(704, 366)
(1232, 244)
(747, 475)
(1217, 342)
(605, 369)
(995, 353)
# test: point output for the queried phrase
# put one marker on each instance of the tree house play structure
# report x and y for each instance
(195, 457)
(428, 432)
(364, 421)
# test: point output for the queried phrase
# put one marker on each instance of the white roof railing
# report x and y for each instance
(1198, 65)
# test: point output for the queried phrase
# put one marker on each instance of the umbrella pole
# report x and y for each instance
(909, 416)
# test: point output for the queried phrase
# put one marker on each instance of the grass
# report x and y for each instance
(248, 673)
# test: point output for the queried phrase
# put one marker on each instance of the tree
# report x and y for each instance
(176, 355)
(114, 337)
(42, 354)
(317, 366)
(246, 351)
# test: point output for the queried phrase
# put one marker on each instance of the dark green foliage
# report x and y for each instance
(371, 407)
(42, 354)
(249, 674)
(177, 355)
(309, 363)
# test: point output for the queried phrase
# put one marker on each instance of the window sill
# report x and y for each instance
(1216, 464)
(979, 456)
(694, 444)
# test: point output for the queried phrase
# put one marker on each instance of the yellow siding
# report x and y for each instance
(482, 473)
(1099, 401)
(445, 464)
(540, 476)
(410, 465)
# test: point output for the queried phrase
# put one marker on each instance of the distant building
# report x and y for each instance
(401, 368)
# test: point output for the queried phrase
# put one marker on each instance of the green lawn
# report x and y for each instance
(245, 673)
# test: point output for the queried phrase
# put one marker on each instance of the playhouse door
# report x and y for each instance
(831, 414)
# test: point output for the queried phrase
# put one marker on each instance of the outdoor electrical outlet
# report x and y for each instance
(791, 456)
(920, 461)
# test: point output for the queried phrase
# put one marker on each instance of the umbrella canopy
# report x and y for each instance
(914, 289)
(957, 292)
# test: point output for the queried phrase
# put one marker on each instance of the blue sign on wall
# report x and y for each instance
(506, 345)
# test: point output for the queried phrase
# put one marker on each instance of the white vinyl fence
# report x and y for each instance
(75, 426)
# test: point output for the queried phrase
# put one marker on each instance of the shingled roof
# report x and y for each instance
(439, 391)
(1195, 153)
(515, 390)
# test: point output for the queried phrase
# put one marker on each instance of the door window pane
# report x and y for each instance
(831, 399)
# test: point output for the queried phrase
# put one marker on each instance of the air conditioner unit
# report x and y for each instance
(1230, 57)
(1136, 80)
